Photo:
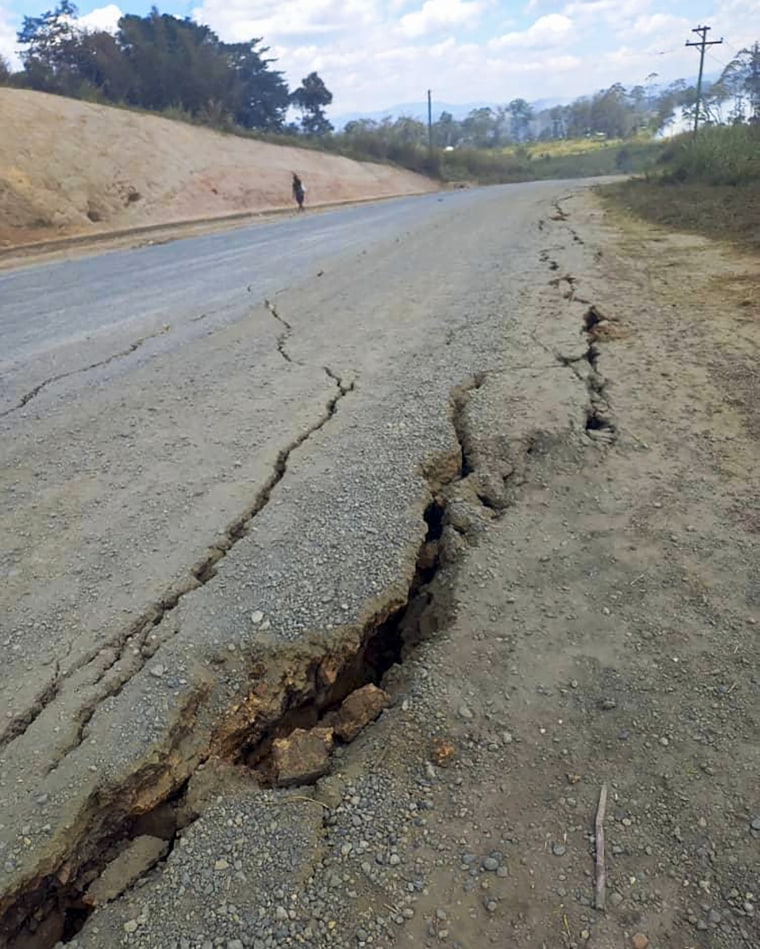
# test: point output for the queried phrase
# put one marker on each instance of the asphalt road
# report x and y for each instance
(190, 478)
(60, 317)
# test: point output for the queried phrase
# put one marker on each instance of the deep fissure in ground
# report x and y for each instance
(54, 909)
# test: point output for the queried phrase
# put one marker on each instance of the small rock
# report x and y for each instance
(130, 926)
(256, 617)
(221, 865)
(302, 757)
(640, 941)
(616, 898)
(664, 741)
(157, 671)
(491, 864)
(755, 825)
(358, 710)
(606, 705)
(559, 850)
(464, 712)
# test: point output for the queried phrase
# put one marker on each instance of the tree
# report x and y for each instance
(311, 98)
(5, 70)
(171, 62)
(180, 63)
(480, 128)
(559, 122)
(96, 63)
(611, 112)
(741, 79)
(258, 95)
(667, 104)
(447, 132)
(521, 115)
(45, 42)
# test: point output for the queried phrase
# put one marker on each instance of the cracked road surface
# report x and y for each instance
(99, 308)
(168, 472)
(487, 455)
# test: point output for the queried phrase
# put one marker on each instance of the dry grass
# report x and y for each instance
(710, 186)
(719, 211)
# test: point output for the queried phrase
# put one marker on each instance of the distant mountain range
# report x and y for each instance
(418, 110)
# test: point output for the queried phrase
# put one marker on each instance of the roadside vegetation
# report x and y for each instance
(710, 185)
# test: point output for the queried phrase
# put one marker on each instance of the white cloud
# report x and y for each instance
(548, 31)
(662, 25)
(8, 38)
(101, 19)
(238, 20)
(440, 14)
(618, 14)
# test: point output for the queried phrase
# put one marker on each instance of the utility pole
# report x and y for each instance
(754, 81)
(703, 43)
(430, 123)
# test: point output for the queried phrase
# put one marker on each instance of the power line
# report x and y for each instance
(703, 43)
(716, 60)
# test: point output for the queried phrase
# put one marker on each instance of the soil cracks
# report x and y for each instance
(596, 327)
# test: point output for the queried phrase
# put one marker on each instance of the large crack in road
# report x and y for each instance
(52, 907)
(369, 574)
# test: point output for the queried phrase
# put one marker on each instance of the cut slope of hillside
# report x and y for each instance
(69, 168)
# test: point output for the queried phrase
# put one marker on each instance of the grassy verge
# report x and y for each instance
(584, 160)
(709, 187)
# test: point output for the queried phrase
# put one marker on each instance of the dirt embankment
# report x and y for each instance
(72, 168)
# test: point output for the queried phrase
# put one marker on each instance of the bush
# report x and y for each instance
(720, 155)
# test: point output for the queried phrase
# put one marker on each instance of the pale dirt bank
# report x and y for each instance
(72, 168)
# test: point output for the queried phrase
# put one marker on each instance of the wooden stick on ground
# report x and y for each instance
(601, 870)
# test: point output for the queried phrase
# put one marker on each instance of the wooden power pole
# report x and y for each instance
(703, 43)
(430, 123)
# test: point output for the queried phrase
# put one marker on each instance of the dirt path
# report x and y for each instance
(589, 617)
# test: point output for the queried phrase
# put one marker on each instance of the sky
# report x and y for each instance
(374, 54)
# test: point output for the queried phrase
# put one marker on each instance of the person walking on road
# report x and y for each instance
(298, 191)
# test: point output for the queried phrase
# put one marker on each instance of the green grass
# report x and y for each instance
(490, 167)
(710, 186)
(718, 156)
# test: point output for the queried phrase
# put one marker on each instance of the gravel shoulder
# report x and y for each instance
(577, 401)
